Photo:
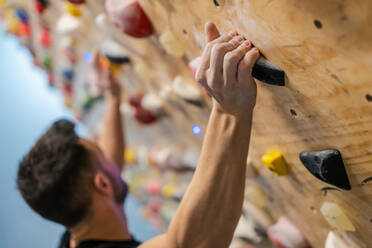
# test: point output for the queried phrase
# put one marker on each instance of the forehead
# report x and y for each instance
(91, 146)
(94, 149)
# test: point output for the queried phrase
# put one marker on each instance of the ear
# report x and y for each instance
(103, 184)
(211, 31)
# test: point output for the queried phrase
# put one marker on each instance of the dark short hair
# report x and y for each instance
(52, 176)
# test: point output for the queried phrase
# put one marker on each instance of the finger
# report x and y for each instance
(232, 60)
(247, 63)
(218, 53)
(211, 31)
(205, 61)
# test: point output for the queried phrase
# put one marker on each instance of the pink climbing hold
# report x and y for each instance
(129, 16)
(76, 1)
(284, 234)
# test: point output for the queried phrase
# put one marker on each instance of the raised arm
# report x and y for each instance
(210, 210)
(112, 140)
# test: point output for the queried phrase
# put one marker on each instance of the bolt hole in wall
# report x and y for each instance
(293, 112)
(369, 97)
(318, 24)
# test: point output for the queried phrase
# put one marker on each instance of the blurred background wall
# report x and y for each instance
(27, 108)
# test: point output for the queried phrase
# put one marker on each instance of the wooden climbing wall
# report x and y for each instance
(326, 103)
(325, 49)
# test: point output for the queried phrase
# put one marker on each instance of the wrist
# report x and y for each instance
(245, 115)
(113, 100)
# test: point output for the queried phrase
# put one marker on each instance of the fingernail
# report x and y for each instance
(247, 43)
(239, 38)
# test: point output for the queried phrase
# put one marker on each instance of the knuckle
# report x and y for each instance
(218, 48)
(200, 77)
(209, 46)
(231, 57)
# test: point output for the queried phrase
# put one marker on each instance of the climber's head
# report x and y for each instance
(66, 178)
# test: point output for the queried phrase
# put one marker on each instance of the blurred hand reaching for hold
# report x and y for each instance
(106, 78)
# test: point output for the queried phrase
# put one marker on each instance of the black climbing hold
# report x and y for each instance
(216, 3)
(318, 24)
(118, 60)
(267, 72)
(327, 166)
(369, 98)
(195, 103)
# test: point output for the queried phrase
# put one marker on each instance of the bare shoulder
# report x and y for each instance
(157, 242)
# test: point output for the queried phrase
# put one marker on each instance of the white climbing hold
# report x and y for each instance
(142, 70)
(112, 48)
(67, 24)
(102, 21)
(333, 241)
(166, 92)
(186, 90)
(190, 159)
(336, 217)
(67, 42)
(247, 229)
(152, 103)
(126, 109)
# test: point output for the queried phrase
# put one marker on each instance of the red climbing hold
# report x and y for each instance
(142, 115)
(45, 38)
(129, 16)
(24, 30)
(39, 7)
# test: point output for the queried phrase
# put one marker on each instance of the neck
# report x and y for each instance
(107, 223)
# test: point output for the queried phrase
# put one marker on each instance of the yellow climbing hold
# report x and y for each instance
(142, 70)
(171, 44)
(115, 67)
(275, 162)
(67, 102)
(130, 155)
(168, 190)
(336, 217)
(73, 9)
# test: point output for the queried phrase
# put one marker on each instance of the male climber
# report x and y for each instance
(74, 182)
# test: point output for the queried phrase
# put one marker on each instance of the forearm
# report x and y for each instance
(112, 140)
(211, 207)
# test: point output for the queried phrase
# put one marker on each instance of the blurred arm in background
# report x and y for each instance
(112, 140)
